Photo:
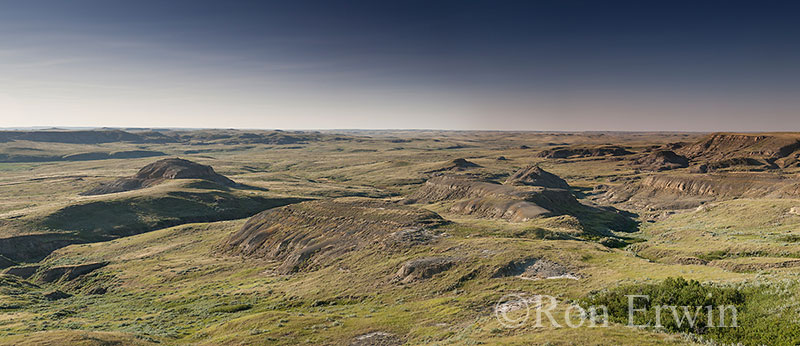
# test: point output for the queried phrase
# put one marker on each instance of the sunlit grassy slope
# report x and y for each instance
(169, 285)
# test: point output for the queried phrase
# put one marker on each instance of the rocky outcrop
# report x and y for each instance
(159, 171)
(180, 169)
(543, 203)
(443, 188)
(377, 339)
(745, 150)
(513, 268)
(457, 165)
(535, 176)
(423, 268)
(662, 160)
(309, 234)
(720, 146)
(534, 269)
(410, 237)
(728, 186)
(744, 163)
(492, 200)
(685, 191)
(468, 196)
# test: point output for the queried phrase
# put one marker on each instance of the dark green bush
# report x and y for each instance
(757, 323)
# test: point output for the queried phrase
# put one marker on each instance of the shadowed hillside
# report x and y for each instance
(186, 192)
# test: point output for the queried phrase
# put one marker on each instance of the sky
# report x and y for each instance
(464, 65)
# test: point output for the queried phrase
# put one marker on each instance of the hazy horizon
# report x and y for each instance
(448, 65)
(146, 128)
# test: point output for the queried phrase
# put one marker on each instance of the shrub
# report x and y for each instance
(758, 322)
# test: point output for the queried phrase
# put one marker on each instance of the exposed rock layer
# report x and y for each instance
(722, 150)
(423, 268)
(661, 160)
(495, 200)
(535, 176)
(690, 190)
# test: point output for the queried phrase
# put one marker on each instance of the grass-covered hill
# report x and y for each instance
(165, 193)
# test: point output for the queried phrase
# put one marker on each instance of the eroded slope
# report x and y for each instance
(312, 233)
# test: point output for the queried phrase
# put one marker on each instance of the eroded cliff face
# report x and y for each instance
(444, 188)
(681, 191)
(682, 185)
(662, 160)
(485, 199)
(721, 146)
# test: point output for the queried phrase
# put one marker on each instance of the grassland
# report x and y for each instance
(169, 282)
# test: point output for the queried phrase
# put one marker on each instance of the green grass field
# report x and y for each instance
(169, 282)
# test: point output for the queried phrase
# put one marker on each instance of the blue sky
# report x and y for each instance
(533, 65)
